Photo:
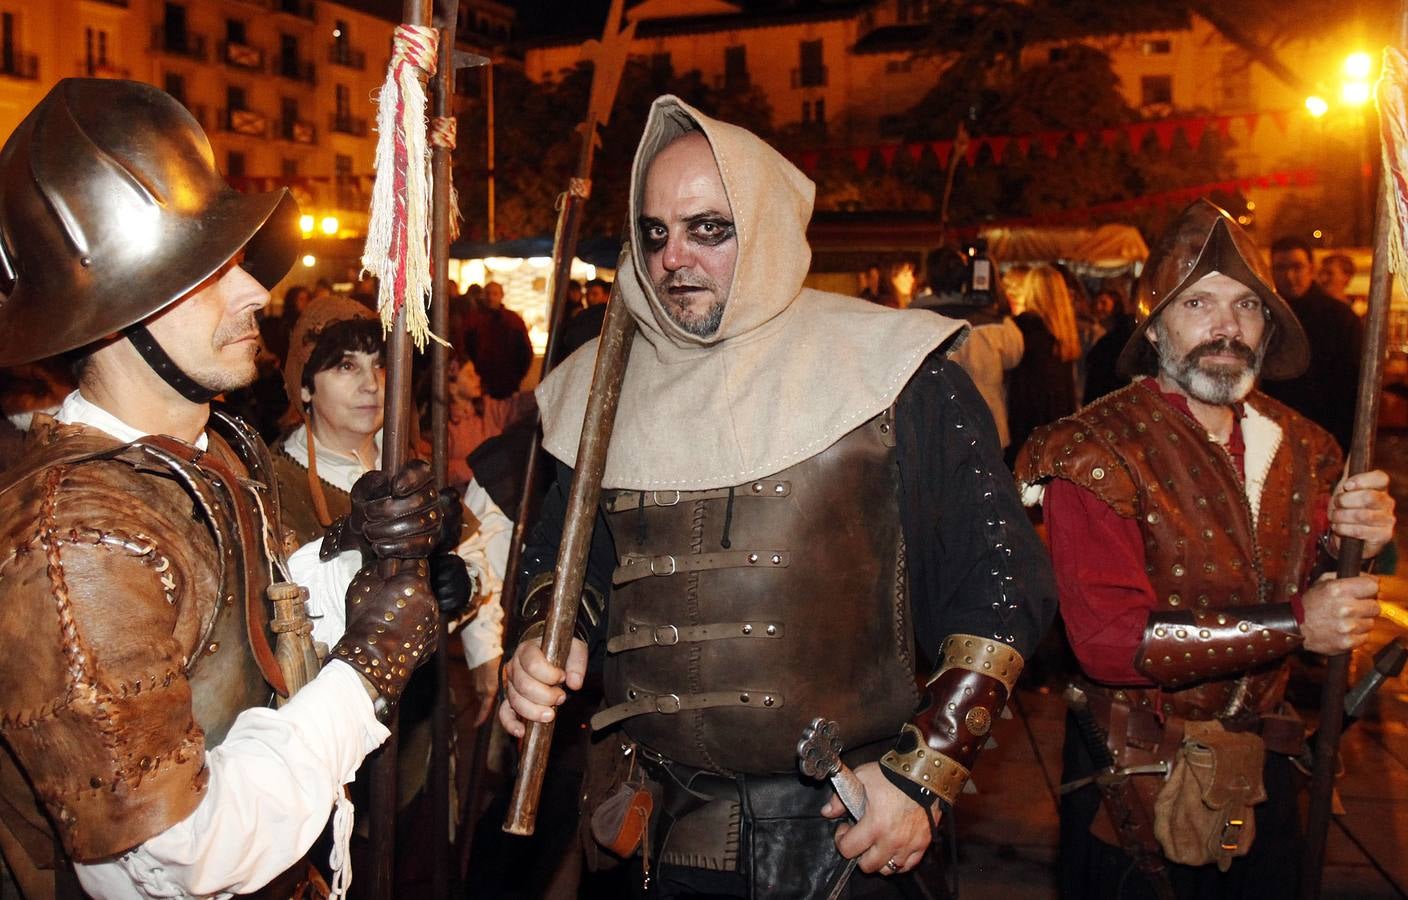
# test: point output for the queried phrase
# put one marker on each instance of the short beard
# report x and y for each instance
(706, 325)
(1219, 385)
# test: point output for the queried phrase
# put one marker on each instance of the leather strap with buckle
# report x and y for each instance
(644, 634)
(634, 568)
(642, 703)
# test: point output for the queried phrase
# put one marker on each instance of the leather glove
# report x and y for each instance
(396, 518)
(451, 582)
(391, 628)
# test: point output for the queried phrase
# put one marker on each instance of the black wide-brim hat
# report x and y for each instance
(1204, 239)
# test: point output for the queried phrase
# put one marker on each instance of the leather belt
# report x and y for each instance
(642, 703)
(623, 501)
(634, 568)
(644, 634)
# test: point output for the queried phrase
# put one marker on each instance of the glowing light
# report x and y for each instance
(329, 225)
(305, 224)
(1358, 66)
(309, 260)
(1317, 106)
(1355, 93)
(1244, 220)
(1317, 234)
(1251, 205)
(337, 32)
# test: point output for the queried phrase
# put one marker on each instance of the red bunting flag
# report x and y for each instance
(941, 149)
(1164, 133)
(887, 154)
(861, 157)
(1110, 137)
(1050, 140)
(998, 145)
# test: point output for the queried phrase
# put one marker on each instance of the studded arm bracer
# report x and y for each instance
(969, 690)
(538, 597)
(1181, 647)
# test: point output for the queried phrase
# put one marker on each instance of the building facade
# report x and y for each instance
(848, 73)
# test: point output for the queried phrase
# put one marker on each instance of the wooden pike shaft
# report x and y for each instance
(395, 442)
(1361, 454)
(441, 720)
(616, 336)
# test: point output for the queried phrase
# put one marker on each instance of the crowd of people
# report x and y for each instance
(816, 543)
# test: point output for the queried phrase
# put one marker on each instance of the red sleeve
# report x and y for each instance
(1105, 595)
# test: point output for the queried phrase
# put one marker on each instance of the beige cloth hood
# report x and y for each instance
(790, 370)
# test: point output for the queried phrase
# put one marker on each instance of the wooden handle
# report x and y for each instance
(571, 569)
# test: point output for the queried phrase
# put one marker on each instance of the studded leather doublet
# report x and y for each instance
(1203, 550)
(125, 579)
(739, 615)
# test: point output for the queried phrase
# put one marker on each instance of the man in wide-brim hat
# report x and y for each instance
(1190, 517)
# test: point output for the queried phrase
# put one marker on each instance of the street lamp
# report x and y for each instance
(329, 225)
(1316, 106)
(305, 224)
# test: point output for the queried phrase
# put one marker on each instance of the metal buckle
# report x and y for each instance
(655, 495)
(667, 704)
(674, 567)
(1232, 834)
(666, 635)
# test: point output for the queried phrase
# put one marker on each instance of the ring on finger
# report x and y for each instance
(891, 866)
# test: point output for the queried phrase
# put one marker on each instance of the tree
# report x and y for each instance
(537, 144)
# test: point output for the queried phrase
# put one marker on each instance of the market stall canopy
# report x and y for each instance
(1101, 251)
(602, 252)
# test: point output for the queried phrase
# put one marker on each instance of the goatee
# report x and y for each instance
(1217, 384)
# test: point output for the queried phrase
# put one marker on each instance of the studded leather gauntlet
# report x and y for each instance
(969, 690)
(1184, 646)
(391, 628)
(391, 518)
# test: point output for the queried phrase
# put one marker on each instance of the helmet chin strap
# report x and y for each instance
(165, 366)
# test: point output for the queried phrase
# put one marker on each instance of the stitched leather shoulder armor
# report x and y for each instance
(1081, 449)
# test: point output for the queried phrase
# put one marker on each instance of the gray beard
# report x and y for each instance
(1216, 387)
(704, 326)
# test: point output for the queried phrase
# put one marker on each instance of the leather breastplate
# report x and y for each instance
(740, 614)
(1203, 549)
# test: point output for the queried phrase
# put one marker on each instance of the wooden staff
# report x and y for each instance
(571, 568)
(395, 441)
(1361, 454)
(441, 725)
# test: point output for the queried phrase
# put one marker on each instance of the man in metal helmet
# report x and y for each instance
(1190, 517)
(141, 531)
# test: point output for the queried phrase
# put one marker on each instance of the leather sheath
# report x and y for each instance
(741, 614)
(134, 576)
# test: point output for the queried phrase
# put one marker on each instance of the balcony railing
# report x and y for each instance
(340, 54)
(94, 68)
(303, 9)
(179, 43)
(245, 121)
(295, 69)
(242, 56)
(24, 66)
(298, 131)
(353, 125)
(809, 76)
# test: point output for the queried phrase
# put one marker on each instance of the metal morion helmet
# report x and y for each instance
(1204, 239)
(111, 209)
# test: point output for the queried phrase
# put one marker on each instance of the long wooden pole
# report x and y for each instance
(1361, 454)
(395, 441)
(441, 724)
(570, 572)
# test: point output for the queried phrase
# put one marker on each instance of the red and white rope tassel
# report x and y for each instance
(398, 233)
(444, 131)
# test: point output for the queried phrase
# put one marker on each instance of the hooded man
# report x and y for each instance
(142, 549)
(1214, 510)
(804, 502)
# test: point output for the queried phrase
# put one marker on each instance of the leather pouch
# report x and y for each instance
(617, 803)
(1204, 812)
